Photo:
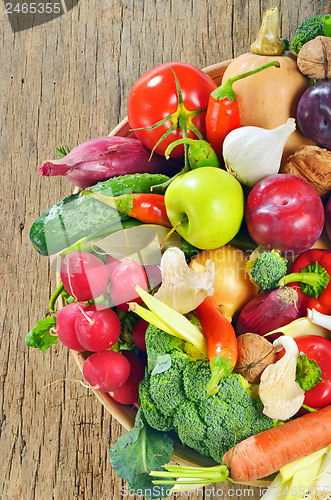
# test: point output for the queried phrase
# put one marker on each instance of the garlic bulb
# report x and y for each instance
(280, 394)
(182, 288)
(253, 153)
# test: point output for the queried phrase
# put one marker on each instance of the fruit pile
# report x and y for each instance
(209, 252)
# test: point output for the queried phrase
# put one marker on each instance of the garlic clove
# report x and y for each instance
(253, 153)
(280, 394)
(183, 289)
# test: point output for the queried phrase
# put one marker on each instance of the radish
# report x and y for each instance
(128, 394)
(98, 328)
(138, 334)
(111, 263)
(65, 323)
(107, 370)
(83, 275)
(125, 277)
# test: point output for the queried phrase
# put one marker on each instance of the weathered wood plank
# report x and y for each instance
(61, 83)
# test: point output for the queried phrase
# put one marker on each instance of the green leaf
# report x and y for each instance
(138, 452)
(308, 372)
(40, 336)
(163, 363)
(62, 151)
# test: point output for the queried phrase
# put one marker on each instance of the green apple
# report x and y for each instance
(208, 202)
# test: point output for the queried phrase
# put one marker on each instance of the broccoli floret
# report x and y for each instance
(191, 429)
(176, 399)
(195, 378)
(161, 342)
(268, 269)
(233, 415)
(166, 388)
(153, 416)
(309, 29)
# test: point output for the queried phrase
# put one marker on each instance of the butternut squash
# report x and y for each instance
(267, 99)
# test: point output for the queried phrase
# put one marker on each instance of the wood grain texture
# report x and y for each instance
(61, 83)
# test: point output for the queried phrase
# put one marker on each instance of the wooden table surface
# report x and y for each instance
(63, 81)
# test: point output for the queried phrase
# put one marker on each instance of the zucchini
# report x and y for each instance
(76, 216)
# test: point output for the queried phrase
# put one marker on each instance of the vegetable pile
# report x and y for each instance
(194, 274)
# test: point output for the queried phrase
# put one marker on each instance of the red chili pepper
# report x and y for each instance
(146, 207)
(222, 343)
(223, 109)
(322, 300)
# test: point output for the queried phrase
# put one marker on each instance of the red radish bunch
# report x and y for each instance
(96, 328)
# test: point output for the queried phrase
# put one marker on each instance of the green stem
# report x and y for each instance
(163, 186)
(307, 278)
(313, 279)
(226, 91)
(54, 297)
(220, 366)
(191, 475)
(184, 140)
(308, 408)
(200, 152)
(268, 42)
(327, 25)
(123, 203)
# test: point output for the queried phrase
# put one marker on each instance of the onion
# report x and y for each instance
(269, 311)
(233, 288)
(105, 157)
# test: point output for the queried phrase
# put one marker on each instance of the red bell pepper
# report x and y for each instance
(223, 109)
(310, 277)
(222, 346)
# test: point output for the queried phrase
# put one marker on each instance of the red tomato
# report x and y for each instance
(154, 97)
(318, 348)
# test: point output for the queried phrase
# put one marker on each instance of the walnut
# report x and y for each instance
(313, 164)
(314, 58)
(255, 353)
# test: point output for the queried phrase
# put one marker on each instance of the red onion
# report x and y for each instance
(269, 311)
(104, 157)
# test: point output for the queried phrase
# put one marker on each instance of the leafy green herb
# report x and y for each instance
(137, 453)
(62, 151)
(308, 372)
(41, 336)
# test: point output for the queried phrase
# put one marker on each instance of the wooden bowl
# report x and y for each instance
(125, 415)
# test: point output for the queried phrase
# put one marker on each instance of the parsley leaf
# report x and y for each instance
(40, 336)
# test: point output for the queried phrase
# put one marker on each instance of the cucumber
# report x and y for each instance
(76, 216)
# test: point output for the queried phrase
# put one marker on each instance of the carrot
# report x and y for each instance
(265, 453)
